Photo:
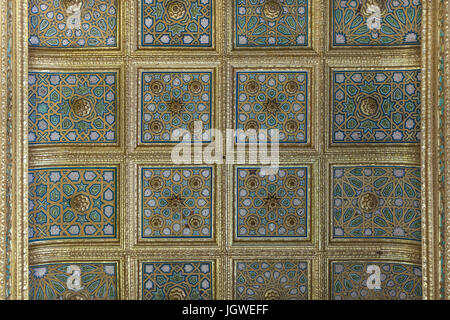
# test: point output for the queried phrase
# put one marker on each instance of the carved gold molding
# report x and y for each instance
(320, 58)
(13, 150)
(435, 150)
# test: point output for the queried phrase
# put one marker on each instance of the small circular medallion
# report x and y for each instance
(291, 87)
(82, 295)
(175, 203)
(252, 87)
(81, 107)
(157, 222)
(272, 203)
(177, 294)
(176, 10)
(372, 7)
(195, 183)
(251, 125)
(156, 126)
(72, 3)
(368, 202)
(80, 203)
(156, 183)
(369, 106)
(291, 182)
(176, 106)
(196, 125)
(272, 106)
(252, 183)
(291, 221)
(156, 87)
(196, 87)
(272, 9)
(195, 222)
(272, 294)
(291, 126)
(252, 222)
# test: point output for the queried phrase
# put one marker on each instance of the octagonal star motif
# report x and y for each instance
(271, 24)
(72, 203)
(177, 202)
(271, 206)
(376, 202)
(376, 107)
(177, 23)
(271, 280)
(177, 280)
(272, 100)
(398, 281)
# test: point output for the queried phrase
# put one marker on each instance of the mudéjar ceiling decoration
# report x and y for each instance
(108, 89)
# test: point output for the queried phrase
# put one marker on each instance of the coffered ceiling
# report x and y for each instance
(111, 216)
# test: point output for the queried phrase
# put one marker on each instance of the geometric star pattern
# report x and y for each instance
(273, 101)
(376, 202)
(177, 202)
(77, 24)
(58, 281)
(72, 108)
(176, 23)
(398, 281)
(380, 106)
(271, 23)
(271, 206)
(356, 25)
(190, 280)
(271, 280)
(175, 101)
(72, 203)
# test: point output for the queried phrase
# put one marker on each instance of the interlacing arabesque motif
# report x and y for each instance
(273, 100)
(376, 22)
(370, 202)
(376, 106)
(398, 281)
(271, 206)
(73, 281)
(176, 23)
(174, 101)
(72, 108)
(72, 203)
(271, 23)
(177, 280)
(379, 202)
(82, 24)
(271, 280)
(177, 202)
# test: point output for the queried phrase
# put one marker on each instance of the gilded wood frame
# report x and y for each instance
(434, 150)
